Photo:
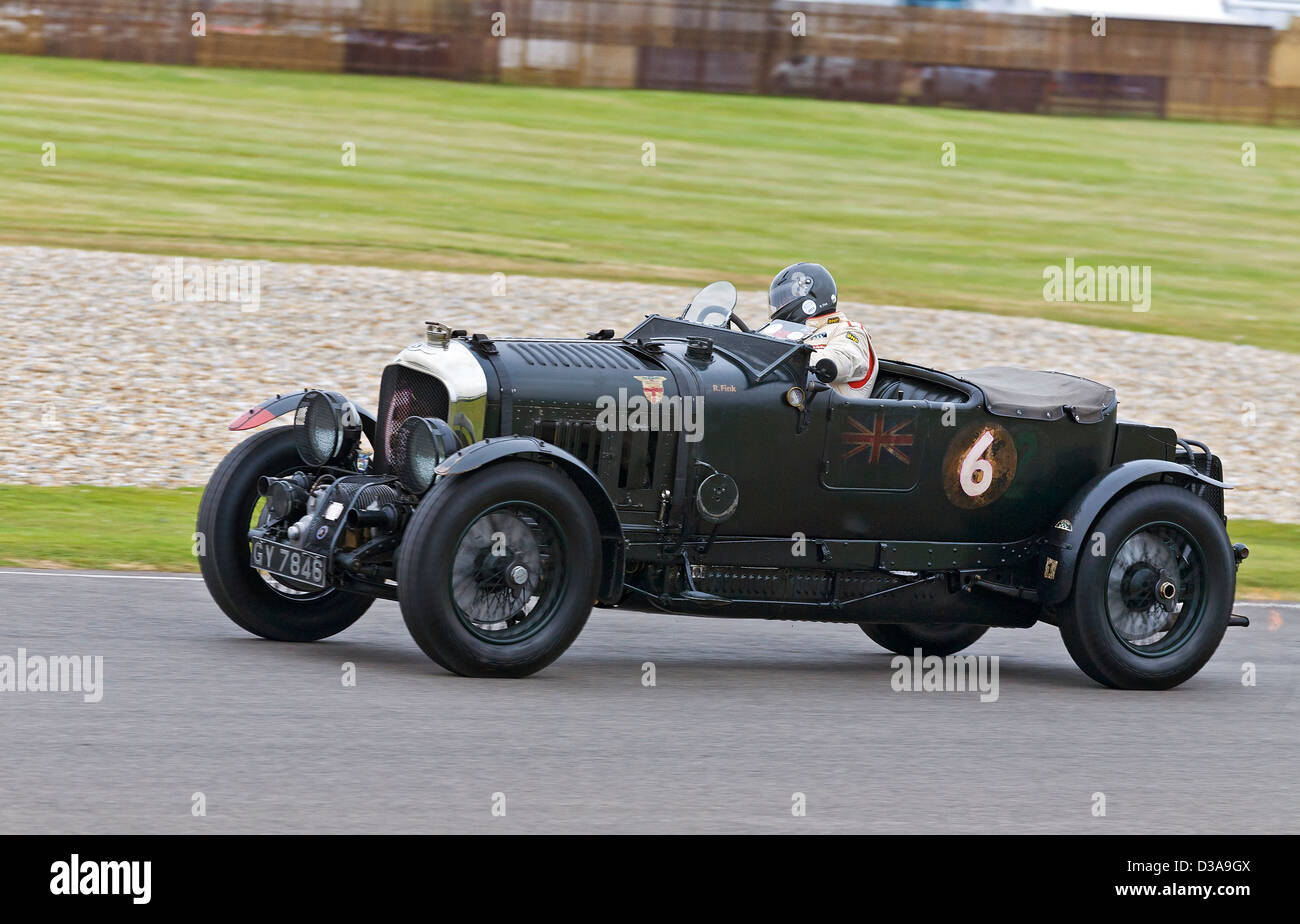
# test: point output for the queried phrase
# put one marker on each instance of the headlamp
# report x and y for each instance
(327, 427)
(419, 446)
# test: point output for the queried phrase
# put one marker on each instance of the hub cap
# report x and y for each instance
(507, 572)
(1155, 590)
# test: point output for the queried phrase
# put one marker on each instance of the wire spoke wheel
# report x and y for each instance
(1150, 613)
(1155, 588)
(507, 572)
(498, 569)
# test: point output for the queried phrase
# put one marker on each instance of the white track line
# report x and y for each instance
(119, 577)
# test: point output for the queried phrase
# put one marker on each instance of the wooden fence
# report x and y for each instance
(890, 54)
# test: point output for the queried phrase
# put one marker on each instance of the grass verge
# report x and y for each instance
(98, 527)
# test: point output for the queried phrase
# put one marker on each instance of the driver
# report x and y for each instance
(804, 293)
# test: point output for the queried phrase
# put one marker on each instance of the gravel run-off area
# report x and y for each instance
(109, 385)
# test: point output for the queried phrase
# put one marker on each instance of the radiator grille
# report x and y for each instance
(405, 393)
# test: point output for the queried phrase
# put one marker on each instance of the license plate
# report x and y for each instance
(287, 562)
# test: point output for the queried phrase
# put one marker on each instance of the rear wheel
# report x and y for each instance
(936, 638)
(1149, 613)
(252, 599)
(498, 569)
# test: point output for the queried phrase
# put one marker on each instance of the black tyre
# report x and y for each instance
(936, 638)
(252, 599)
(498, 569)
(1149, 613)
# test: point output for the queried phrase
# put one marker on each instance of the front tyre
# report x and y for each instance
(498, 569)
(254, 601)
(935, 638)
(1150, 612)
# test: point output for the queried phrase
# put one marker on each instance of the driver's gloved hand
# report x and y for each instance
(826, 370)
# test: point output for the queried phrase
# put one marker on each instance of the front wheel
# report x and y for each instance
(253, 600)
(936, 638)
(1151, 610)
(498, 569)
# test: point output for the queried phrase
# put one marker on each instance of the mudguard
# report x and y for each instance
(1069, 536)
(495, 449)
(280, 405)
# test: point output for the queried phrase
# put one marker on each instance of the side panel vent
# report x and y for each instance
(634, 466)
(571, 355)
(637, 457)
(579, 437)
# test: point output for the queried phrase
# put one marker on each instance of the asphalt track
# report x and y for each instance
(743, 716)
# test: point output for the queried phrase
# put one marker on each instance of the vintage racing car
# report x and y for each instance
(697, 466)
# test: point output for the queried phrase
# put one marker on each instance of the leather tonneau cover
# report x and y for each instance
(1011, 392)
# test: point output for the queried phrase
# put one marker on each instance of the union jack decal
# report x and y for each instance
(877, 440)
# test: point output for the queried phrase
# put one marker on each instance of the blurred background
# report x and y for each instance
(1204, 59)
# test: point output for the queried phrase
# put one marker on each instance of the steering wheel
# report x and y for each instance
(739, 322)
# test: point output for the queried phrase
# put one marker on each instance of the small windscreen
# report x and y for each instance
(712, 305)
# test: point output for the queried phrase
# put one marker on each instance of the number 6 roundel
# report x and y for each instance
(979, 465)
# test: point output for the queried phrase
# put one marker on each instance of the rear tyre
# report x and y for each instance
(498, 569)
(1150, 612)
(936, 638)
(252, 600)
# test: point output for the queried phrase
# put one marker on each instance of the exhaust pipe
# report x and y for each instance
(387, 518)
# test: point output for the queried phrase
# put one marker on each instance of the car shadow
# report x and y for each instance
(586, 668)
(873, 665)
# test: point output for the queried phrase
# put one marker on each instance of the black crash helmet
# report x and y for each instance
(801, 291)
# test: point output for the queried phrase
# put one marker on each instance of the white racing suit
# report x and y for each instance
(847, 344)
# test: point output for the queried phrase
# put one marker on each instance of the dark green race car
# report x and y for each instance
(695, 466)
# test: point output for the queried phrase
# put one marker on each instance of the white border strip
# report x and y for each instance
(119, 577)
